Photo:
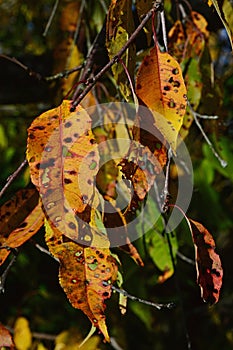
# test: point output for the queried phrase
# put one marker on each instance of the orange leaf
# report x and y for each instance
(176, 41)
(209, 266)
(82, 273)
(160, 86)
(63, 159)
(20, 220)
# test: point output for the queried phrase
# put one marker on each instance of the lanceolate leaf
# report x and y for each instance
(63, 159)
(83, 272)
(225, 11)
(161, 88)
(120, 25)
(209, 268)
(20, 220)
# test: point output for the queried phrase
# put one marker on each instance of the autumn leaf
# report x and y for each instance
(22, 334)
(196, 35)
(5, 338)
(20, 219)
(119, 26)
(209, 268)
(63, 159)
(83, 271)
(66, 53)
(225, 12)
(176, 41)
(161, 88)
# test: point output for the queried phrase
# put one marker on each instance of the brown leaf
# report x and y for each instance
(209, 268)
(19, 221)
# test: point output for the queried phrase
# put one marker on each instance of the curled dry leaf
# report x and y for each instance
(209, 267)
(160, 86)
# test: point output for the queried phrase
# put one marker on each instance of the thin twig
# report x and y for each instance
(165, 194)
(12, 177)
(185, 258)
(195, 116)
(43, 250)
(91, 82)
(164, 32)
(38, 76)
(36, 335)
(132, 297)
(51, 18)
(6, 271)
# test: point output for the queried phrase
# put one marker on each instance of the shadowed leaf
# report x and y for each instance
(209, 268)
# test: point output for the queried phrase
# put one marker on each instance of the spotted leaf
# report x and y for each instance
(63, 159)
(21, 218)
(119, 26)
(209, 268)
(160, 86)
(85, 274)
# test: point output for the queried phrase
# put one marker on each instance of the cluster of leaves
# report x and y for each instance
(63, 151)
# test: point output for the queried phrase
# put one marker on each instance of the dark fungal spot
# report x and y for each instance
(39, 127)
(31, 136)
(68, 140)
(105, 294)
(89, 182)
(92, 141)
(176, 83)
(139, 86)
(168, 61)
(76, 135)
(67, 181)
(166, 88)
(49, 163)
(72, 172)
(101, 255)
(68, 124)
(72, 225)
(175, 71)
(171, 104)
(215, 272)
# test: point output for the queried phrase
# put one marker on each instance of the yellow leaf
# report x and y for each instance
(160, 86)
(119, 26)
(82, 273)
(22, 334)
(63, 159)
(225, 11)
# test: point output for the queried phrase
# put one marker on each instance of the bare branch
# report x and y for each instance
(12, 177)
(92, 81)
